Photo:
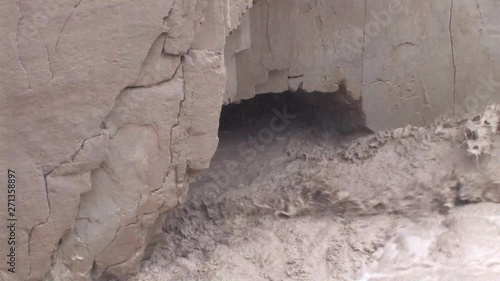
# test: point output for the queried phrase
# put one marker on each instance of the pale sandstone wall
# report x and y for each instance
(109, 106)
(410, 61)
(98, 122)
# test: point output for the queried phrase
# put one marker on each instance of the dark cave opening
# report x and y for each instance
(265, 114)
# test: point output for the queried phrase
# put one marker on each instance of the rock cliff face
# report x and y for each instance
(110, 108)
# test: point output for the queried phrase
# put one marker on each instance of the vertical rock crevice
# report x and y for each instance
(18, 31)
(453, 59)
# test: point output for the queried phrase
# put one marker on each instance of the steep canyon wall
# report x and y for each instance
(110, 107)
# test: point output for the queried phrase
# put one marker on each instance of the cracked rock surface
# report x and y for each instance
(110, 108)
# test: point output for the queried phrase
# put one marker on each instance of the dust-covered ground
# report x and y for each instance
(295, 199)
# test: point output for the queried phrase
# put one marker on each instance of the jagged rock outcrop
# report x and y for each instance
(111, 107)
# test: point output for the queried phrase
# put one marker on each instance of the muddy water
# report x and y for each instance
(309, 203)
